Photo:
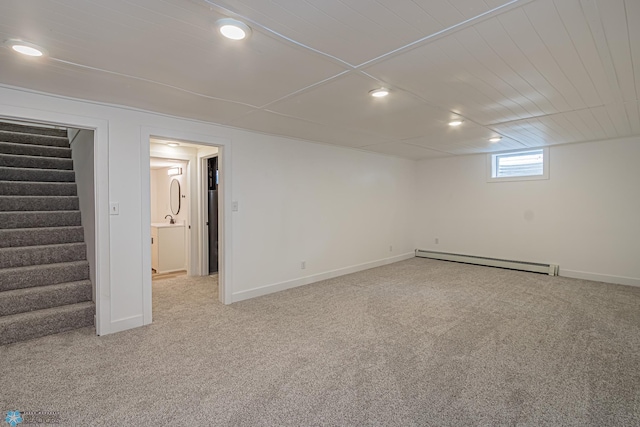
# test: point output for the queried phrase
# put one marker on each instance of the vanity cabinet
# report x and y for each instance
(167, 247)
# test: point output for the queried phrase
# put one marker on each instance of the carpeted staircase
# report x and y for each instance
(44, 273)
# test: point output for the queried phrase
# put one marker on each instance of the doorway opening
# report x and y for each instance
(212, 246)
(185, 211)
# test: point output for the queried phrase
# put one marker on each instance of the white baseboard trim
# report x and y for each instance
(282, 286)
(618, 280)
(124, 324)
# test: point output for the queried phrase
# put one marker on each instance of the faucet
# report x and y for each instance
(171, 220)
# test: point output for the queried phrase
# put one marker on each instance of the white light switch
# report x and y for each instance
(114, 208)
(234, 206)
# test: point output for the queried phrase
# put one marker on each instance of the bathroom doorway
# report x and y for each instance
(192, 149)
(185, 187)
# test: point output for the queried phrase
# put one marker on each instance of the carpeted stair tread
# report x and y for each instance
(39, 203)
(43, 297)
(43, 275)
(38, 130)
(37, 162)
(34, 324)
(36, 175)
(34, 150)
(36, 219)
(22, 237)
(28, 188)
(42, 254)
(32, 139)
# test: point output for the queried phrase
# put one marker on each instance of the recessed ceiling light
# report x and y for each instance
(25, 48)
(456, 122)
(495, 139)
(173, 144)
(379, 93)
(233, 29)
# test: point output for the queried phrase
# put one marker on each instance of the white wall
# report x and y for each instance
(335, 208)
(82, 153)
(584, 218)
(331, 207)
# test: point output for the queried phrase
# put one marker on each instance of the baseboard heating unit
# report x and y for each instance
(550, 269)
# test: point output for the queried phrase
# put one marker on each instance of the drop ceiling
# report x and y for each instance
(535, 72)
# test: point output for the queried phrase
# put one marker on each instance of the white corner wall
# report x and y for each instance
(584, 218)
(338, 209)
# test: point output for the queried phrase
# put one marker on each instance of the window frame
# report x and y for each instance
(545, 166)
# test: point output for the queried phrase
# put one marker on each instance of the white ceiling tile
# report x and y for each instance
(549, 26)
(572, 15)
(132, 39)
(72, 81)
(356, 31)
(597, 123)
(444, 80)
(633, 17)
(538, 72)
(465, 139)
(346, 102)
(277, 124)
(616, 28)
(407, 151)
(518, 25)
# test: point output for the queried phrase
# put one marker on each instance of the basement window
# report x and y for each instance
(518, 165)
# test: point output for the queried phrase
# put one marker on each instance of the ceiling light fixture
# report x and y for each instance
(233, 29)
(379, 93)
(25, 48)
(495, 139)
(173, 144)
(174, 171)
(456, 122)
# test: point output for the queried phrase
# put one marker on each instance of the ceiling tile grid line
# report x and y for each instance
(430, 38)
(447, 31)
(509, 5)
(279, 35)
(115, 73)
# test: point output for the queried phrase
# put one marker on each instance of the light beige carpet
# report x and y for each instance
(416, 343)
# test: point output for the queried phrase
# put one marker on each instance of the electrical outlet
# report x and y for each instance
(437, 240)
(303, 265)
(390, 248)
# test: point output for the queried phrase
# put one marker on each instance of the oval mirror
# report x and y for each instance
(175, 196)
